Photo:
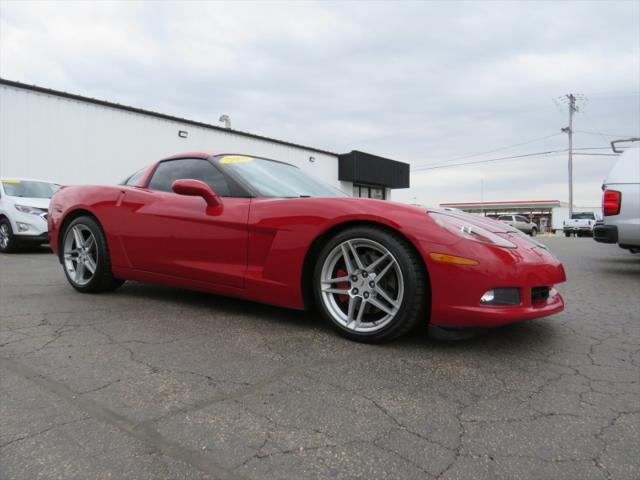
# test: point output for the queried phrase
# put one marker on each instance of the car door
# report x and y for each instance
(521, 223)
(177, 235)
(508, 219)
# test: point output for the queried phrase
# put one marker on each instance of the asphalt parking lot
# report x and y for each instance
(158, 383)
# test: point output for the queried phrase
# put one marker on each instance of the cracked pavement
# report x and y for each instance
(153, 382)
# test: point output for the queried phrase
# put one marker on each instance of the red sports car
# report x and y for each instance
(264, 230)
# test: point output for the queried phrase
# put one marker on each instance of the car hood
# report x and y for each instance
(32, 202)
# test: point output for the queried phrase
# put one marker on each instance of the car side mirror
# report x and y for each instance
(196, 188)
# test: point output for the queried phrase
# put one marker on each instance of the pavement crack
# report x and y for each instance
(143, 433)
(45, 430)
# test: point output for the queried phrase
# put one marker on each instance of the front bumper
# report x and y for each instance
(605, 233)
(496, 316)
(36, 239)
(456, 289)
(577, 229)
(26, 226)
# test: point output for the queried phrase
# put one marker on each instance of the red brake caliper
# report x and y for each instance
(343, 285)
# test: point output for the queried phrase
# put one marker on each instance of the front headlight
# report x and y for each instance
(470, 231)
(29, 210)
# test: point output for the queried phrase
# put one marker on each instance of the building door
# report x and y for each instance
(367, 191)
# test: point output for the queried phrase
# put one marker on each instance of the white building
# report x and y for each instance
(71, 139)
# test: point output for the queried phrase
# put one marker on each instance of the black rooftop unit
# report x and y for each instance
(364, 168)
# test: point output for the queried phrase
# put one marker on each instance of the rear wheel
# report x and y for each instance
(370, 285)
(567, 234)
(7, 239)
(86, 257)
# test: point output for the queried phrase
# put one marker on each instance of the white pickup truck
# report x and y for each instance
(580, 223)
(621, 200)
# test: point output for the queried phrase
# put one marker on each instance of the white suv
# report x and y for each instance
(24, 206)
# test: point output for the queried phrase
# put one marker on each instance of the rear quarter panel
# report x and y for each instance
(628, 220)
(99, 201)
(625, 178)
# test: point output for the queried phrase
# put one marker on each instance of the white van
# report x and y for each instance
(621, 201)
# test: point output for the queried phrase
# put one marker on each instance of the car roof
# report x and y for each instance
(189, 155)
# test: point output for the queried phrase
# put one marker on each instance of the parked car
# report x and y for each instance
(24, 206)
(521, 223)
(621, 202)
(580, 223)
(264, 230)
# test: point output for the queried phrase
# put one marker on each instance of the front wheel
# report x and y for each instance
(534, 232)
(370, 284)
(7, 239)
(85, 257)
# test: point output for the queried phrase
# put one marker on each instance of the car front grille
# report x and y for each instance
(539, 295)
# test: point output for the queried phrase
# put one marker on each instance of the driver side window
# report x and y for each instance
(192, 169)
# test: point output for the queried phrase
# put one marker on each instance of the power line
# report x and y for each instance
(526, 155)
(491, 151)
(611, 95)
(608, 147)
(515, 157)
(601, 134)
(598, 154)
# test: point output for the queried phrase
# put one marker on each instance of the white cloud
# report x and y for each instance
(417, 81)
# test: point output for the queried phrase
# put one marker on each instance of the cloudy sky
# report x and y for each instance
(422, 82)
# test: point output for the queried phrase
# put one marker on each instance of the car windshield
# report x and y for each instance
(270, 178)
(29, 189)
(582, 216)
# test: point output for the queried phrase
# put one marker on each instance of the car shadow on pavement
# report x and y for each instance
(511, 337)
(216, 303)
(32, 249)
(506, 339)
(632, 258)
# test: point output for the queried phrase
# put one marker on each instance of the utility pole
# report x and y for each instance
(569, 131)
(572, 108)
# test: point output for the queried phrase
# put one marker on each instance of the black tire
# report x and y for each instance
(567, 234)
(411, 311)
(12, 243)
(103, 279)
(534, 231)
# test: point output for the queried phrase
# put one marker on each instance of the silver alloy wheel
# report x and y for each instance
(80, 254)
(362, 285)
(4, 235)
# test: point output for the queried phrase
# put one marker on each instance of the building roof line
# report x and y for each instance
(118, 106)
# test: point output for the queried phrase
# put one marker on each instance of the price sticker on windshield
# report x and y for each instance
(235, 159)
(9, 180)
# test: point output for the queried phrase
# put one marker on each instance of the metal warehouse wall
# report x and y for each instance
(69, 141)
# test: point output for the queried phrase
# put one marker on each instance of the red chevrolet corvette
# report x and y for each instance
(266, 231)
